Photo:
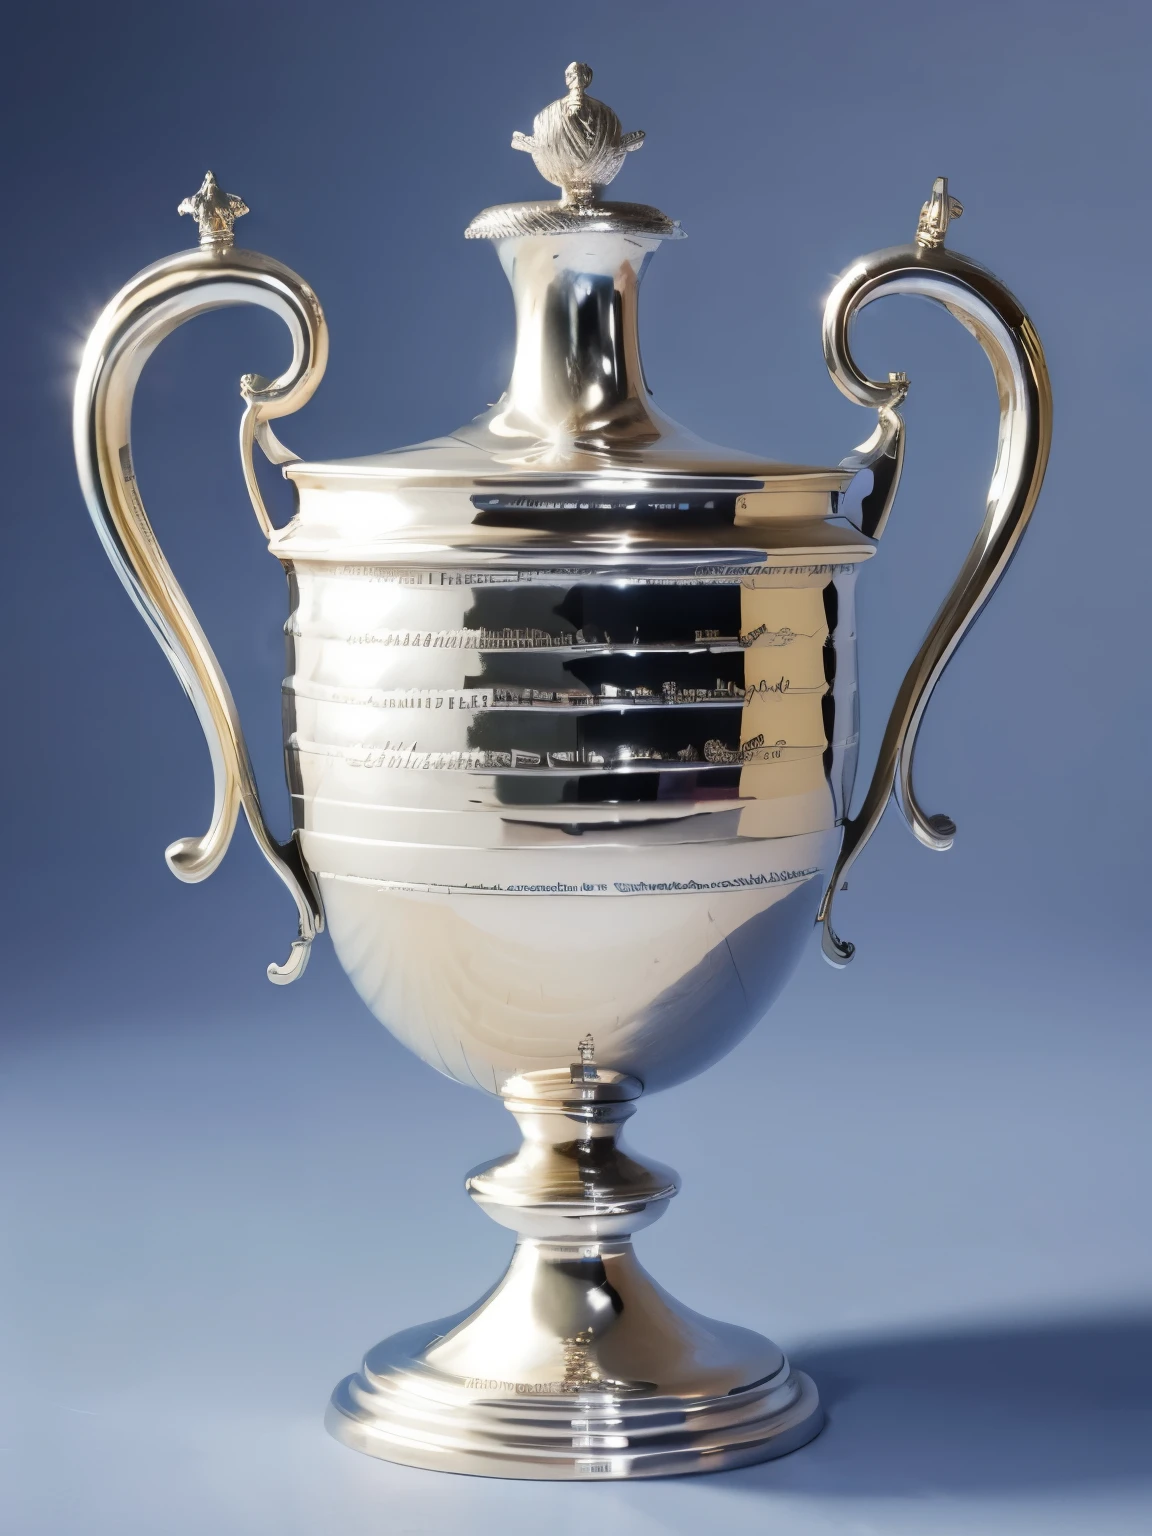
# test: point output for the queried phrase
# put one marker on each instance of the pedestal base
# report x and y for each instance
(577, 1365)
(659, 1390)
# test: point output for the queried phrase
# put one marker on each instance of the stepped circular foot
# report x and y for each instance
(401, 1409)
(577, 1365)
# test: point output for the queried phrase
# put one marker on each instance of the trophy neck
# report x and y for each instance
(577, 379)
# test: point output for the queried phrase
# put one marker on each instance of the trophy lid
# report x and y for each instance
(578, 405)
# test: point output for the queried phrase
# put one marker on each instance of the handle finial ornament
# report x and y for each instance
(936, 214)
(215, 211)
(576, 142)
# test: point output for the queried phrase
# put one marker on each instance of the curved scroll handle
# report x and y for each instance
(985, 308)
(150, 307)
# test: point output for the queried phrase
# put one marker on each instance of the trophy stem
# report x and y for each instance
(577, 1365)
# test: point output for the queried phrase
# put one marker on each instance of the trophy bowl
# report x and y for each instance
(571, 732)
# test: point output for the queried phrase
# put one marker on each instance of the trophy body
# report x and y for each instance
(571, 735)
(615, 817)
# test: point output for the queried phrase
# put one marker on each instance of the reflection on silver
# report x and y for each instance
(215, 211)
(578, 145)
(157, 301)
(985, 308)
(571, 730)
(577, 1365)
(936, 215)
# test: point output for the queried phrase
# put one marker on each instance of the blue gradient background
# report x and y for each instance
(927, 1176)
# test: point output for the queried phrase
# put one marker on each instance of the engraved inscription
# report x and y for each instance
(733, 575)
(479, 759)
(516, 1388)
(736, 883)
(582, 888)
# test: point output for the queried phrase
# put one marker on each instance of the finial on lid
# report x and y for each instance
(578, 145)
(577, 142)
(577, 77)
(214, 211)
(936, 214)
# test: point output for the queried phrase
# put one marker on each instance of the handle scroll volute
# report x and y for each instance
(150, 307)
(990, 312)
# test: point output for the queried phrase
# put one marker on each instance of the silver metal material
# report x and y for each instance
(883, 457)
(578, 145)
(571, 730)
(994, 316)
(516, 768)
(150, 307)
(506, 221)
(578, 408)
(215, 212)
(936, 214)
(577, 1365)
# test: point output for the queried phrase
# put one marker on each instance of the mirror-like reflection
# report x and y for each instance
(684, 747)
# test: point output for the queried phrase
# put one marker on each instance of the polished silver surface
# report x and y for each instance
(578, 145)
(571, 730)
(215, 212)
(936, 214)
(517, 771)
(577, 1365)
(578, 402)
(578, 406)
(994, 316)
(157, 301)
(882, 455)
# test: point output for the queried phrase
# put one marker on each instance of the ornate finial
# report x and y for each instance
(577, 77)
(215, 211)
(576, 142)
(936, 214)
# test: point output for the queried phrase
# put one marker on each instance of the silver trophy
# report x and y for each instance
(571, 732)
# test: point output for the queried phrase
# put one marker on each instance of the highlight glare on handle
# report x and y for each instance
(990, 312)
(152, 305)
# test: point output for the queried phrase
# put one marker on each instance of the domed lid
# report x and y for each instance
(578, 404)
